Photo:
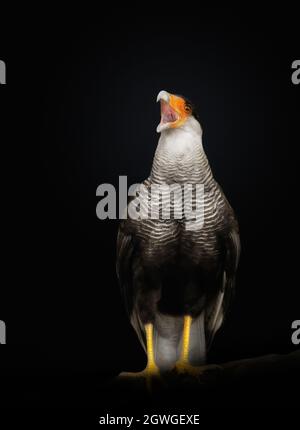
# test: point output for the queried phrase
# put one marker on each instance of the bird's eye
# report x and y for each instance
(187, 108)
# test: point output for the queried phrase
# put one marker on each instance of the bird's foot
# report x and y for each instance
(183, 367)
(151, 371)
(150, 374)
(198, 373)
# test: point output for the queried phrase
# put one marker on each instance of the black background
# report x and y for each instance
(79, 110)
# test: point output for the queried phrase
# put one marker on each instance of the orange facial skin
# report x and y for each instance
(178, 104)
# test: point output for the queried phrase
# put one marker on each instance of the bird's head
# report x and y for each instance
(175, 110)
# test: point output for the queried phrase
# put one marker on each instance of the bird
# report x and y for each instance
(178, 278)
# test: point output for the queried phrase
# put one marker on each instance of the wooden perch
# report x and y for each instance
(269, 380)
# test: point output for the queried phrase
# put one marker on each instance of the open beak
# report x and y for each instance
(171, 109)
(168, 114)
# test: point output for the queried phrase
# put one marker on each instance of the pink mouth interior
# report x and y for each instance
(167, 113)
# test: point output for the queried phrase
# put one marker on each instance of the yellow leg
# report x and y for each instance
(151, 369)
(186, 339)
(183, 362)
(151, 366)
(183, 365)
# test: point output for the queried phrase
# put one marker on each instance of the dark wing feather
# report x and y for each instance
(126, 264)
(219, 308)
(125, 252)
(233, 249)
